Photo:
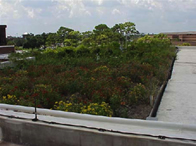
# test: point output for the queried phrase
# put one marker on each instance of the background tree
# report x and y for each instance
(16, 41)
(125, 31)
(73, 39)
(100, 28)
(87, 38)
(62, 34)
(51, 39)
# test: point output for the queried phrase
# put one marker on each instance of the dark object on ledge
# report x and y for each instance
(4, 49)
(3, 35)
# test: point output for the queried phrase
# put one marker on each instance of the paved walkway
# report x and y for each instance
(179, 100)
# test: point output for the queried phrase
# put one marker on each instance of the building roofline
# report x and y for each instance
(178, 33)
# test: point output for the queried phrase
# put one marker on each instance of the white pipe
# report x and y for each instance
(113, 120)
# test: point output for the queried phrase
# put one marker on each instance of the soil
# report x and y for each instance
(139, 111)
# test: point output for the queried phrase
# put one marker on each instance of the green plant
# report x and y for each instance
(9, 99)
(97, 109)
(68, 106)
(186, 44)
(45, 95)
(137, 94)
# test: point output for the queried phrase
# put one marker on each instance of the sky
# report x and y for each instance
(149, 16)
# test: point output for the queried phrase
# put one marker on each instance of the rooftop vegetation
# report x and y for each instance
(100, 75)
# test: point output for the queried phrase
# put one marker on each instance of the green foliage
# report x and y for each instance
(186, 44)
(51, 39)
(45, 95)
(102, 35)
(92, 74)
(62, 34)
(93, 108)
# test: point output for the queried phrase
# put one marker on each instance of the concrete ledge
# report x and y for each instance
(29, 133)
(114, 120)
(186, 47)
(6, 64)
(11, 64)
(6, 49)
(152, 118)
(89, 122)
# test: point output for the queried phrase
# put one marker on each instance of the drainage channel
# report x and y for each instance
(153, 113)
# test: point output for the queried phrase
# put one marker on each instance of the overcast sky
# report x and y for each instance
(150, 16)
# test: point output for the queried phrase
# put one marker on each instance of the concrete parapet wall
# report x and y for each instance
(30, 133)
(73, 129)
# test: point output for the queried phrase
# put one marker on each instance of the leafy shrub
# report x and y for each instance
(9, 99)
(45, 95)
(77, 81)
(92, 108)
(68, 107)
(186, 44)
(97, 109)
(137, 94)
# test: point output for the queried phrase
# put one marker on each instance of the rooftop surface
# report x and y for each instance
(176, 114)
(179, 100)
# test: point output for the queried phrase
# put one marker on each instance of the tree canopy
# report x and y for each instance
(102, 35)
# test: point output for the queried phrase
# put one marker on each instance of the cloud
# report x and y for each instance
(48, 15)
(115, 11)
(99, 2)
(71, 8)
(38, 3)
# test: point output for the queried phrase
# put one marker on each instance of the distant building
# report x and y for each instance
(189, 37)
(179, 38)
(3, 35)
(25, 35)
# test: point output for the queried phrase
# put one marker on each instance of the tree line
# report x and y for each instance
(102, 35)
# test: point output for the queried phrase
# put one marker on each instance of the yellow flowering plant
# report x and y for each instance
(68, 106)
(21, 73)
(97, 109)
(9, 99)
(92, 108)
(101, 68)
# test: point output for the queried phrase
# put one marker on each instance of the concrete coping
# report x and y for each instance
(6, 62)
(186, 47)
(7, 46)
(86, 117)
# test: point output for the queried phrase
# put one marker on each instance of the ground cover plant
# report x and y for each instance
(99, 80)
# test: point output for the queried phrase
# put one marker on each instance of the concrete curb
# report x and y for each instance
(112, 120)
(186, 47)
